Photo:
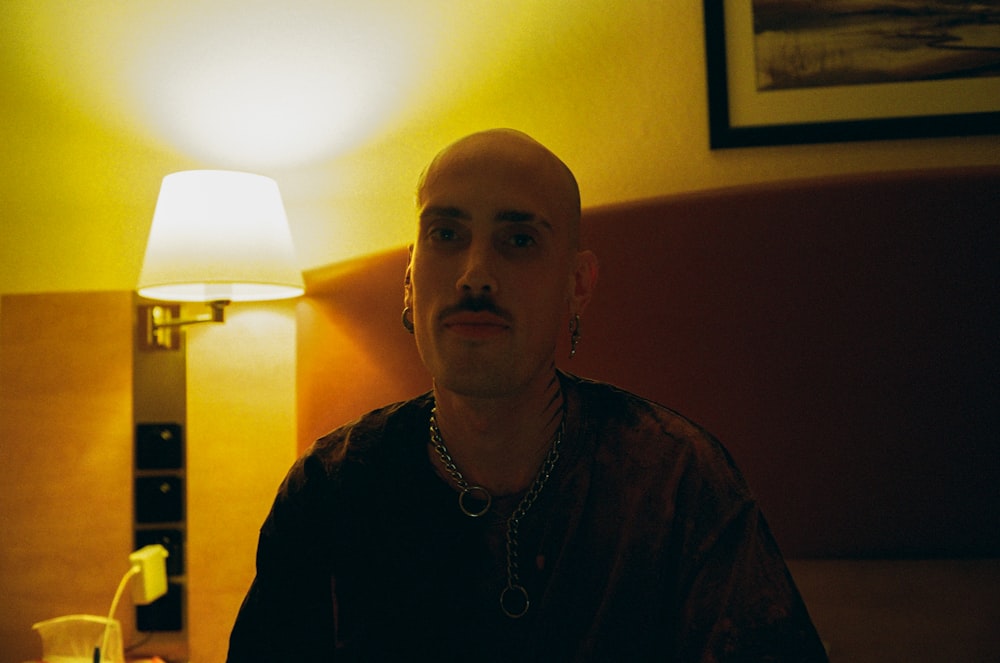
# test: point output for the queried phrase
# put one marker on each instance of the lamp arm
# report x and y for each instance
(157, 322)
(218, 314)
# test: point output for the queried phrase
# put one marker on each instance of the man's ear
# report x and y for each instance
(407, 285)
(584, 281)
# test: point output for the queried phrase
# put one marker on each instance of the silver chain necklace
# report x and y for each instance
(514, 599)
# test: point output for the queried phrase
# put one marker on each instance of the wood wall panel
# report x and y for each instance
(903, 611)
(66, 454)
(240, 444)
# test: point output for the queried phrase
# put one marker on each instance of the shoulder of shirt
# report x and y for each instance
(358, 458)
(603, 402)
(366, 436)
(629, 427)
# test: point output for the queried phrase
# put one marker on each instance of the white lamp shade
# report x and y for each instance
(219, 235)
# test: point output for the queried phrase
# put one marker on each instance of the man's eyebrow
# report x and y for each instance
(443, 211)
(504, 216)
(519, 216)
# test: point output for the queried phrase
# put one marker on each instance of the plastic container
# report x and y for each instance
(73, 638)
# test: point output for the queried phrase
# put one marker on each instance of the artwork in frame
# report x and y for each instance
(786, 72)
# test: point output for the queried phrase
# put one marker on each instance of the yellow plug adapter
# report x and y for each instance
(151, 562)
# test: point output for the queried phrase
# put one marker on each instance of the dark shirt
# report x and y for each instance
(644, 545)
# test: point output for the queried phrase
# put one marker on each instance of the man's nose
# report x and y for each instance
(478, 275)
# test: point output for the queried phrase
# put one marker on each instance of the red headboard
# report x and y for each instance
(839, 336)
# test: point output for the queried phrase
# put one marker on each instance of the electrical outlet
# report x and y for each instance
(165, 614)
(151, 581)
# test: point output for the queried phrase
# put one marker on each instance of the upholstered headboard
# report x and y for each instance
(838, 335)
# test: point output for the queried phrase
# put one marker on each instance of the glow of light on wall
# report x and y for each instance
(259, 87)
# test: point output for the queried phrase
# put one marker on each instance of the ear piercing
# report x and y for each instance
(574, 334)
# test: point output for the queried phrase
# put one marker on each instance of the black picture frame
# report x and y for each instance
(724, 132)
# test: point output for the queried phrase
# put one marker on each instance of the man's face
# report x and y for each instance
(490, 279)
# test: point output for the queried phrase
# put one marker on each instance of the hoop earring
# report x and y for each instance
(407, 323)
(574, 335)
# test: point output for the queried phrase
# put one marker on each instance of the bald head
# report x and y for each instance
(506, 151)
(498, 225)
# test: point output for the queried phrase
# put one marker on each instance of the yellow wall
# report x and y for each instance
(616, 88)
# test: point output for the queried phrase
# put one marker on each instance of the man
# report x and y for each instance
(514, 513)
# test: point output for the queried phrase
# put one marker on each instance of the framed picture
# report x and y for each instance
(784, 72)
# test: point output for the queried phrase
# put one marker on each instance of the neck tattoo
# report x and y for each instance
(475, 501)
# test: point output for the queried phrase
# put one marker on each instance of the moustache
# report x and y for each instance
(476, 304)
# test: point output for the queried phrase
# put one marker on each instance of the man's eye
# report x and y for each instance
(521, 240)
(443, 234)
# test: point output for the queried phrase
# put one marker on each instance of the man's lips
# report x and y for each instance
(475, 325)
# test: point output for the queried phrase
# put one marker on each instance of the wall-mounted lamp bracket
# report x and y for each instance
(160, 324)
